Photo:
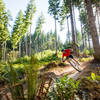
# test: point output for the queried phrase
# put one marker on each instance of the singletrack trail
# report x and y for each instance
(60, 71)
(68, 69)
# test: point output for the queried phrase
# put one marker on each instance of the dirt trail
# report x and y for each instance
(60, 71)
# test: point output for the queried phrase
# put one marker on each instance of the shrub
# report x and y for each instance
(16, 84)
(91, 85)
(65, 89)
(91, 51)
(45, 53)
(22, 60)
(49, 58)
(86, 52)
(86, 59)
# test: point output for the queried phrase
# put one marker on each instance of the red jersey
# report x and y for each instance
(66, 53)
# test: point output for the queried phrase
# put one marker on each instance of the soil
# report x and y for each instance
(60, 69)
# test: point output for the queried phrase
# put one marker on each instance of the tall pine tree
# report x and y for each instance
(30, 11)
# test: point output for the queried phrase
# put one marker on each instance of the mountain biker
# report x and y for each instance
(68, 54)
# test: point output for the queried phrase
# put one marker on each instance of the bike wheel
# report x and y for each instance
(75, 65)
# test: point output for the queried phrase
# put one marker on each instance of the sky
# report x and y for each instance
(42, 7)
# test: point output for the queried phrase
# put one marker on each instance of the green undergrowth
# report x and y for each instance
(65, 88)
(20, 63)
(68, 89)
(48, 56)
(86, 59)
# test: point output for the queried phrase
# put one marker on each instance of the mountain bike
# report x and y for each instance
(74, 64)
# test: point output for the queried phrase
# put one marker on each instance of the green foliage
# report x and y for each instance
(46, 53)
(66, 45)
(3, 72)
(49, 58)
(17, 31)
(30, 11)
(4, 22)
(32, 76)
(14, 77)
(54, 8)
(0, 54)
(91, 51)
(93, 76)
(23, 60)
(14, 85)
(86, 52)
(38, 36)
(86, 59)
(65, 89)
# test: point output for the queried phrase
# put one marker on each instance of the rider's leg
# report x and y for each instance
(74, 59)
(67, 59)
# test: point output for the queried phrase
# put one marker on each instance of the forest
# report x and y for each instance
(32, 66)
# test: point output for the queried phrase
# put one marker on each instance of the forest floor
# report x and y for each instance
(58, 69)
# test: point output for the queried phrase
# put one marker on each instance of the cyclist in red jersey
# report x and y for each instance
(66, 53)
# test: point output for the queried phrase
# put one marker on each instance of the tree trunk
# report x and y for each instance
(23, 47)
(98, 20)
(5, 51)
(13, 54)
(20, 48)
(82, 32)
(56, 36)
(73, 32)
(85, 38)
(68, 30)
(26, 51)
(30, 48)
(89, 46)
(74, 21)
(41, 47)
(93, 30)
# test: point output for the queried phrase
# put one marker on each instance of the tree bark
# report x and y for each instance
(20, 48)
(74, 21)
(93, 30)
(89, 46)
(13, 54)
(30, 48)
(98, 19)
(73, 32)
(26, 51)
(82, 32)
(68, 30)
(56, 36)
